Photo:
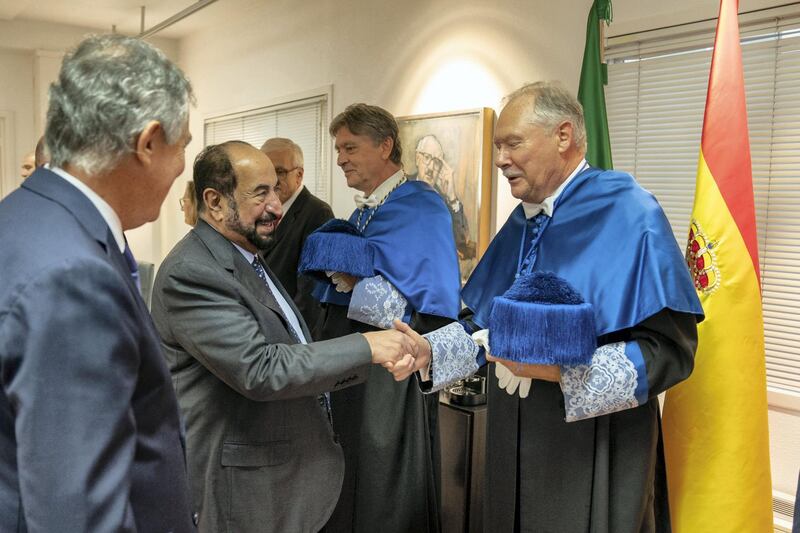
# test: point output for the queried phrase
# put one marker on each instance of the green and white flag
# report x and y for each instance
(594, 75)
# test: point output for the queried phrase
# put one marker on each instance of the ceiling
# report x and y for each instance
(102, 15)
(629, 15)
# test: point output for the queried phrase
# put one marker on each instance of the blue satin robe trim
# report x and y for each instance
(412, 239)
(634, 353)
(610, 240)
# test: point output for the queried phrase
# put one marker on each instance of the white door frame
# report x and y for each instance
(8, 161)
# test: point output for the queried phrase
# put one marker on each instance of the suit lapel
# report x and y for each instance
(288, 299)
(289, 219)
(50, 185)
(226, 254)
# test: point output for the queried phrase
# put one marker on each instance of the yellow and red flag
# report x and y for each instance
(716, 433)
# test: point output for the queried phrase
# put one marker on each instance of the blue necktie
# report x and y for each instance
(259, 268)
(132, 266)
(324, 399)
(533, 231)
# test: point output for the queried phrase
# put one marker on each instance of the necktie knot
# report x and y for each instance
(365, 201)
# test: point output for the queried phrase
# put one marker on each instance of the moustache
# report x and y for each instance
(267, 218)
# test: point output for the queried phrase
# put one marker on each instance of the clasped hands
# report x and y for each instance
(402, 351)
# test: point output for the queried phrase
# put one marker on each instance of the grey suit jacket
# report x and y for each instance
(262, 454)
(90, 437)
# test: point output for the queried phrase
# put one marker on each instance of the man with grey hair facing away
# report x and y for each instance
(90, 436)
(302, 213)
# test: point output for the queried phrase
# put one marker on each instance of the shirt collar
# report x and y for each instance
(547, 205)
(106, 211)
(247, 254)
(383, 190)
(288, 204)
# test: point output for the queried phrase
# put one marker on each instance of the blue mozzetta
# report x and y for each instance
(411, 237)
(337, 246)
(600, 214)
(541, 319)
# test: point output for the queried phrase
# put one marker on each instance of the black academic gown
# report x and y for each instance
(389, 433)
(306, 214)
(599, 475)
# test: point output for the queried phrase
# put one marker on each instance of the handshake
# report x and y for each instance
(402, 351)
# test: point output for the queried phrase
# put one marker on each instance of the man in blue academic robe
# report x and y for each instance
(577, 448)
(388, 429)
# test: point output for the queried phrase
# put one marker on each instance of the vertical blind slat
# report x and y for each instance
(655, 110)
(302, 122)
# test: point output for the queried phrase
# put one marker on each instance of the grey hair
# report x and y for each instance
(553, 104)
(282, 143)
(372, 121)
(109, 88)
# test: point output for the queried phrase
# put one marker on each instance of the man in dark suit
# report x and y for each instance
(302, 213)
(261, 450)
(90, 437)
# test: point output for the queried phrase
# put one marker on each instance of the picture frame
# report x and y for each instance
(453, 152)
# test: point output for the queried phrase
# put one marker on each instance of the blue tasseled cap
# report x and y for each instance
(336, 246)
(541, 319)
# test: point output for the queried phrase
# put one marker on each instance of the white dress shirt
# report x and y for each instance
(288, 204)
(284, 305)
(381, 192)
(106, 211)
(547, 205)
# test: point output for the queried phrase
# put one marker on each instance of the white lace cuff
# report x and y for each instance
(615, 380)
(377, 302)
(453, 356)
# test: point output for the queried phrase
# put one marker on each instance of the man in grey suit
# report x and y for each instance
(261, 450)
(90, 436)
(302, 213)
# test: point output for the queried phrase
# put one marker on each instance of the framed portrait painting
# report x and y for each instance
(453, 153)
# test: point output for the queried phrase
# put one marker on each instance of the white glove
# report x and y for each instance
(342, 285)
(508, 381)
(505, 378)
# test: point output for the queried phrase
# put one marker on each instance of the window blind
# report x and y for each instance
(302, 121)
(656, 99)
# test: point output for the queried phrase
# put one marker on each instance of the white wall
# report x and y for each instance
(16, 102)
(409, 57)
(30, 55)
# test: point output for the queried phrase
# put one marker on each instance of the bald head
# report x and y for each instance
(235, 184)
(287, 157)
(277, 144)
(28, 165)
(430, 145)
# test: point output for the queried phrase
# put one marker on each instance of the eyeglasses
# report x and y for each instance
(182, 202)
(283, 172)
